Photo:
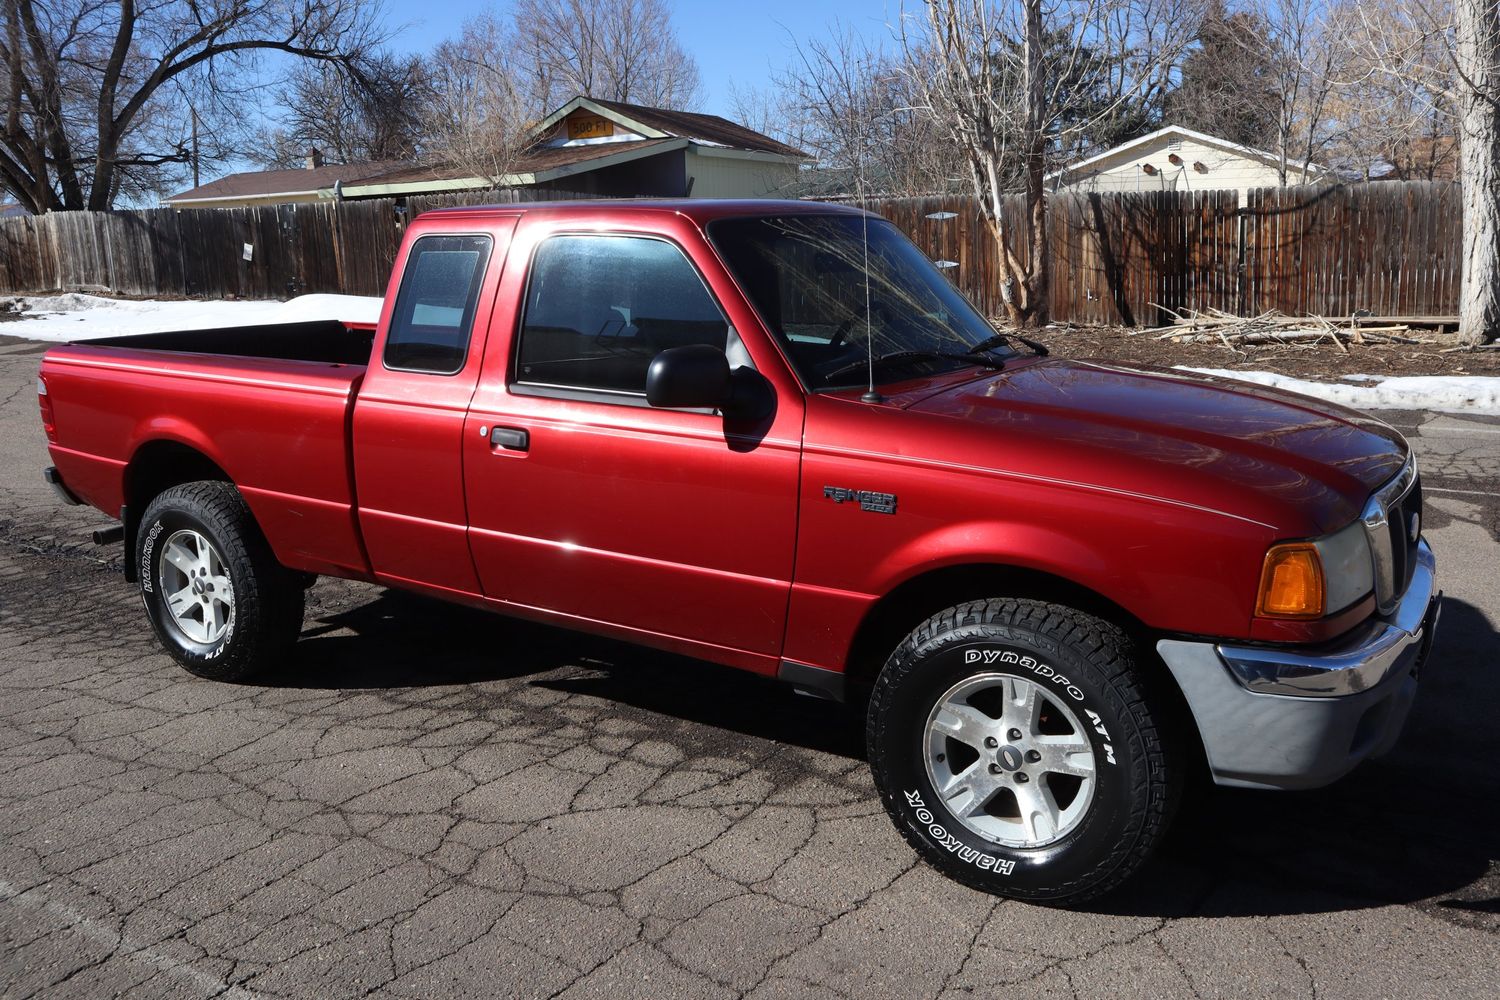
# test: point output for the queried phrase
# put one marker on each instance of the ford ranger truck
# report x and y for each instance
(774, 436)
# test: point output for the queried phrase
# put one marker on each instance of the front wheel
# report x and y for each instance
(214, 593)
(1017, 750)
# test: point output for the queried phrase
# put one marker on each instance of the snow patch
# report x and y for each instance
(1446, 393)
(75, 316)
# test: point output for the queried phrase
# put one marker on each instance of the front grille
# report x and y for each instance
(1403, 545)
(1388, 523)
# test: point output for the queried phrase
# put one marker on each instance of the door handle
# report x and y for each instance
(510, 438)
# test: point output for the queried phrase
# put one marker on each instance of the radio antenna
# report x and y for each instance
(870, 395)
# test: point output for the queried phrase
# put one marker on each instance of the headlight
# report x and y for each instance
(1313, 579)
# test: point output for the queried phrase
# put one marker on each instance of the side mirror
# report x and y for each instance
(691, 377)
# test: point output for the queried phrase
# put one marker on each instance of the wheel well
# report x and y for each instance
(156, 467)
(891, 618)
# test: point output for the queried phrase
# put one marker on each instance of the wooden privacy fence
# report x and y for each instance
(1390, 248)
(270, 251)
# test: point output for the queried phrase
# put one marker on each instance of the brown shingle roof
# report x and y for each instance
(535, 161)
(260, 183)
(710, 128)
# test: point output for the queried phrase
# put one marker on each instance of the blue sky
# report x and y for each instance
(739, 41)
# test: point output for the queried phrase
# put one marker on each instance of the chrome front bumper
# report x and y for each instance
(1300, 717)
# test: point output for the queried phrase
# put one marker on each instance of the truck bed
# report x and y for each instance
(270, 406)
(324, 341)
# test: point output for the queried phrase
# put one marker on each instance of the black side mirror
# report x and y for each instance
(691, 377)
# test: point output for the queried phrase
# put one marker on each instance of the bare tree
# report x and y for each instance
(102, 94)
(616, 50)
(767, 110)
(377, 108)
(997, 74)
(851, 106)
(1399, 38)
(481, 108)
(1384, 124)
(1303, 55)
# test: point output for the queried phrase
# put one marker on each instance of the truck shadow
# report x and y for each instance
(400, 640)
(1421, 826)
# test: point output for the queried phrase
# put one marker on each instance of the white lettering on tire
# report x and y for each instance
(950, 843)
(1109, 750)
(989, 657)
(146, 570)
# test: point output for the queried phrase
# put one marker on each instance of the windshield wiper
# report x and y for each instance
(1003, 340)
(898, 357)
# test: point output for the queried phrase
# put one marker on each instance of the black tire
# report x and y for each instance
(265, 602)
(1070, 659)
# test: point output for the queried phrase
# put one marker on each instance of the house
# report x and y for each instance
(13, 210)
(1180, 159)
(587, 146)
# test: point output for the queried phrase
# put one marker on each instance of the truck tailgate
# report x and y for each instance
(278, 428)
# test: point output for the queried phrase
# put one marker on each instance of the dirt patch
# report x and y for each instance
(1320, 362)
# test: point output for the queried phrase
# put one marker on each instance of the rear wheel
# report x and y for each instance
(214, 593)
(1017, 749)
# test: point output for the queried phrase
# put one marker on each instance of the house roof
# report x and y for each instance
(659, 130)
(265, 183)
(692, 125)
(543, 160)
(540, 165)
(1178, 131)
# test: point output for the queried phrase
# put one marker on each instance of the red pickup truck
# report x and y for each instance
(774, 436)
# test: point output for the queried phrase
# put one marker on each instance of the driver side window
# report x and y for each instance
(599, 308)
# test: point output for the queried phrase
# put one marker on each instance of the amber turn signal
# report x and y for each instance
(1291, 583)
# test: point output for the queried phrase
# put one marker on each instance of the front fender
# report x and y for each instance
(1004, 544)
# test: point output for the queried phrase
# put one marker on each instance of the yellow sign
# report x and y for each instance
(589, 127)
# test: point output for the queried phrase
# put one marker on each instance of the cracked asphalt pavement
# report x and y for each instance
(425, 801)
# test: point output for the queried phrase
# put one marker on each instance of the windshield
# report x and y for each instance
(805, 275)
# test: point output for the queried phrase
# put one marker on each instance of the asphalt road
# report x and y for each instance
(430, 802)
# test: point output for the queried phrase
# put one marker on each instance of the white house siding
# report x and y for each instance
(1226, 170)
(716, 176)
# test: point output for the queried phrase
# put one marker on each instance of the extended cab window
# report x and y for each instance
(599, 308)
(435, 306)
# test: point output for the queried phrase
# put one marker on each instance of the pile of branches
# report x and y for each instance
(1276, 328)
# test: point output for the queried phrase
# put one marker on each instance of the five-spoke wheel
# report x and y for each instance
(1010, 760)
(198, 590)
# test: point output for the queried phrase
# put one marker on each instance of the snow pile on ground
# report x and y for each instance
(74, 316)
(1450, 393)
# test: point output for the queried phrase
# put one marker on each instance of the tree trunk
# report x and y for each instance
(1038, 268)
(1478, 36)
